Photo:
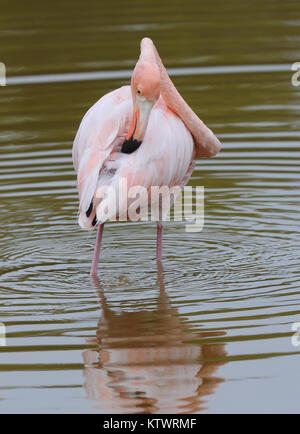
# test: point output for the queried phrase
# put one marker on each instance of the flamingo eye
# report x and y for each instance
(139, 92)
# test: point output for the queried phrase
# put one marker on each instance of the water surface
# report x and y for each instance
(211, 332)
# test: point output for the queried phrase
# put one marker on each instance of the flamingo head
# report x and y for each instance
(145, 88)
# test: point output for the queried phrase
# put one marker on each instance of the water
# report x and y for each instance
(211, 332)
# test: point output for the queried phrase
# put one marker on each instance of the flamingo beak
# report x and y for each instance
(139, 122)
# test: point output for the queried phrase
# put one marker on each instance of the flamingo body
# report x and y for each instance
(163, 158)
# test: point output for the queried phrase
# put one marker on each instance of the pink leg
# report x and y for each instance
(159, 241)
(97, 250)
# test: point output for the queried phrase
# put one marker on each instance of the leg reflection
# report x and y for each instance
(148, 361)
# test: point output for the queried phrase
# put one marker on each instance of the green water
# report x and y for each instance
(212, 331)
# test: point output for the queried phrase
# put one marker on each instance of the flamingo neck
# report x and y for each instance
(206, 143)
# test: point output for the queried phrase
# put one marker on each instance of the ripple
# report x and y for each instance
(104, 75)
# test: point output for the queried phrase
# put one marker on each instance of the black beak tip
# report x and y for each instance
(130, 145)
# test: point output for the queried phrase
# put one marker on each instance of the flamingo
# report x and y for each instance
(144, 133)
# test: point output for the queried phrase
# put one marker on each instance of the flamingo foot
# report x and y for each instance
(97, 250)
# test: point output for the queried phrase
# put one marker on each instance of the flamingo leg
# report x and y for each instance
(97, 250)
(159, 241)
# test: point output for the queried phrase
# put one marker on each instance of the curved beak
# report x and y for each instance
(141, 113)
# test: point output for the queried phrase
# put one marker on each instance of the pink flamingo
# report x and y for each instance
(145, 133)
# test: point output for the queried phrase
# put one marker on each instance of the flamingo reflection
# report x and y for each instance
(148, 361)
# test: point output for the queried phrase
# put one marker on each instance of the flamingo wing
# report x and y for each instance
(102, 130)
(165, 158)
